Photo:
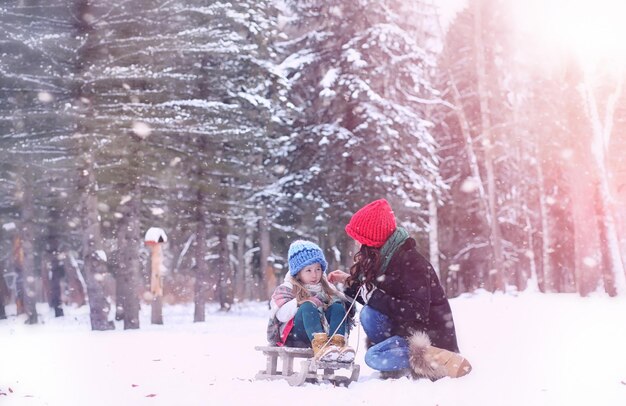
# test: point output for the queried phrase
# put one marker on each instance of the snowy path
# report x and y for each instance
(527, 350)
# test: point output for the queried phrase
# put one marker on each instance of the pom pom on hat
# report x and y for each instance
(373, 224)
(304, 253)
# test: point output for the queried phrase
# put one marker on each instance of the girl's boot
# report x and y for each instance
(346, 353)
(324, 353)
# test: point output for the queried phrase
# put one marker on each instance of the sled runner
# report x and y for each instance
(309, 367)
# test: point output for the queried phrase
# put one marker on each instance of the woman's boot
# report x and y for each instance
(433, 362)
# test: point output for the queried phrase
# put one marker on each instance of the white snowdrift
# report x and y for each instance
(527, 350)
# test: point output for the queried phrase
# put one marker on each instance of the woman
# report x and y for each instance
(406, 314)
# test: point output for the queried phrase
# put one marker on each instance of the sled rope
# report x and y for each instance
(343, 320)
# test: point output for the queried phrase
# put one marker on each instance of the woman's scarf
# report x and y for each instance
(391, 246)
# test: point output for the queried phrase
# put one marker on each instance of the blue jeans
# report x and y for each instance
(390, 352)
(308, 321)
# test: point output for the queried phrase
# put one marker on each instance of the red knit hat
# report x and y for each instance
(372, 224)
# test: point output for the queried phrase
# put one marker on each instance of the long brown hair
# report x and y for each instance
(366, 266)
(302, 294)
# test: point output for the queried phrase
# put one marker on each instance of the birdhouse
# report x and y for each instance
(155, 235)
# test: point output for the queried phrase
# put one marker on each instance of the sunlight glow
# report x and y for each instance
(593, 30)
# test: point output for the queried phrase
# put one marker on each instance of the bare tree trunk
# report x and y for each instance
(57, 273)
(265, 288)
(118, 263)
(252, 285)
(127, 274)
(546, 235)
(18, 267)
(224, 268)
(612, 266)
(94, 257)
(75, 283)
(532, 283)
(202, 269)
(585, 227)
(53, 266)
(601, 136)
(126, 285)
(529, 279)
(497, 273)
(240, 272)
(44, 277)
(25, 190)
(606, 267)
(4, 295)
(433, 233)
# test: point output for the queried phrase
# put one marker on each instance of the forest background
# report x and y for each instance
(239, 126)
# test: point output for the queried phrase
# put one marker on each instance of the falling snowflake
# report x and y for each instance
(44, 97)
(101, 255)
(469, 185)
(141, 129)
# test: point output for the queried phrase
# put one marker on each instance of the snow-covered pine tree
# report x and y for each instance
(362, 85)
(35, 42)
(193, 93)
(201, 83)
(85, 141)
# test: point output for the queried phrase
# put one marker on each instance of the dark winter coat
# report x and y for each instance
(409, 293)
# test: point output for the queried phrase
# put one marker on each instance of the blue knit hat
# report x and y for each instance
(304, 253)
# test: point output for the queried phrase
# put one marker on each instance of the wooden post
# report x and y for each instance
(154, 239)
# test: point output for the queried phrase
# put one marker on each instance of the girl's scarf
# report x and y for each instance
(317, 291)
(284, 292)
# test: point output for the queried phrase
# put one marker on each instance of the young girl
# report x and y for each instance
(406, 314)
(307, 309)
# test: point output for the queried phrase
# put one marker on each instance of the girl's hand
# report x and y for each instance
(338, 276)
(316, 302)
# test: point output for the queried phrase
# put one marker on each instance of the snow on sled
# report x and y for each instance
(310, 369)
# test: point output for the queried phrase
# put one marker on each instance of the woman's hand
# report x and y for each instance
(338, 276)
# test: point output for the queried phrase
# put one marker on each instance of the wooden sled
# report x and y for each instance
(309, 367)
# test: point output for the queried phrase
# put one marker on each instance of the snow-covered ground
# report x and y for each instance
(531, 349)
